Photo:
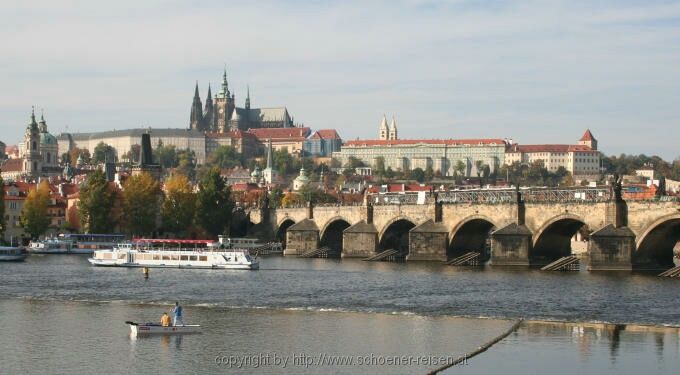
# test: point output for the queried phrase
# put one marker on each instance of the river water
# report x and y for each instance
(61, 315)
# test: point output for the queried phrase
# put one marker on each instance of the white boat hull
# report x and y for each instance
(108, 263)
(138, 329)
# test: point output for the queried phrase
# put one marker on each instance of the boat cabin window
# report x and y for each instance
(203, 258)
(107, 256)
(193, 257)
(175, 257)
(156, 257)
(184, 257)
(121, 256)
(166, 257)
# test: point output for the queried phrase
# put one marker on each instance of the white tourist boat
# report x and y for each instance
(137, 329)
(12, 254)
(75, 243)
(136, 255)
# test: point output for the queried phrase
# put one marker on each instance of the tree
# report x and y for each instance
(353, 162)
(429, 173)
(76, 152)
(460, 168)
(140, 203)
(284, 162)
(166, 156)
(389, 173)
(224, 157)
(34, 215)
(213, 203)
(2, 208)
(179, 204)
(186, 163)
(380, 166)
(95, 208)
(133, 155)
(103, 152)
(417, 174)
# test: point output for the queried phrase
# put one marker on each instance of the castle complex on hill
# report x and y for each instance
(222, 115)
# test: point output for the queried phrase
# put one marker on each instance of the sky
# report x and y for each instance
(534, 71)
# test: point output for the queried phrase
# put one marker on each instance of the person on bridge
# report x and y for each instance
(177, 311)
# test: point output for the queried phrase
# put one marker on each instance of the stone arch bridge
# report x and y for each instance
(533, 226)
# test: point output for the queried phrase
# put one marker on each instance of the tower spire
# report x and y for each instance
(269, 154)
(248, 98)
(196, 117)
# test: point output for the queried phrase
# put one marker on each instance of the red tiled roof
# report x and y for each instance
(280, 133)
(587, 136)
(450, 142)
(549, 148)
(13, 165)
(325, 134)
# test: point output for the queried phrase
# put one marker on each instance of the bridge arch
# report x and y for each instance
(331, 233)
(395, 234)
(471, 234)
(281, 229)
(656, 243)
(553, 239)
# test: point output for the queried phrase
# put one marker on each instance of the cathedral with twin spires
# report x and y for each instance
(221, 115)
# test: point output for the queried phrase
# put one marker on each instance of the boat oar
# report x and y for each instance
(130, 323)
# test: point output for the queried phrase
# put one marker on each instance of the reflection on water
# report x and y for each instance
(569, 348)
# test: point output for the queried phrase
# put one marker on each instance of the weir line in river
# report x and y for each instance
(479, 350)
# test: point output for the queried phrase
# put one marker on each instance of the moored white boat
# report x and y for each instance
(137, 329)
(126, 255)
(252, 244)
(12, 254)
(75, 243)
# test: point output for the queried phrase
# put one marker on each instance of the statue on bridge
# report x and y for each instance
(617, 186)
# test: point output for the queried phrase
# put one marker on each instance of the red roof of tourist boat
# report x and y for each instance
(172, 240)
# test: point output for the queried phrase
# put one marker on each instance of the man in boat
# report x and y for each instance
(165, 320)
(177, 311)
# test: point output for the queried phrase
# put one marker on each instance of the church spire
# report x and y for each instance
(209, 112)
(248, 98)
(269, 154)
(43, 123)
(224, 92)
(196, 118)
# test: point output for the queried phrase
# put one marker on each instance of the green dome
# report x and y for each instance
(47, 139)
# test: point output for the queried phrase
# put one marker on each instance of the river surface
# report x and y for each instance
(61, 315)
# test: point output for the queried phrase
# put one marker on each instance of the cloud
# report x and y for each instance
(536, 71)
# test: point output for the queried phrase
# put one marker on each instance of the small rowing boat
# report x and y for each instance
(137, 329)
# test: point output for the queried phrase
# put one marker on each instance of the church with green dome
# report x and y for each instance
(38, 153)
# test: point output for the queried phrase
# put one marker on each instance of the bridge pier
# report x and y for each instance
(510, 246)
(360, 240)
(611, 249)
(428, 241)
(302, 237)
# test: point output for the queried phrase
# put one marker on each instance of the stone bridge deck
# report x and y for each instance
(520, 231)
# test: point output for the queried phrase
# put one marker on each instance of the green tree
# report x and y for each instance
(460, 168)
(76, 152)
(95, 208)
(429, 173)
(213, 203)
(417, 174)
(179, 204)
(140, 203)
(224, 157)
(380, 166)
(102, 152)
(186, 163)
(389, 173)
(166, 156)
(284, 162)
(34, 215)
(353, 162)
(2, 208)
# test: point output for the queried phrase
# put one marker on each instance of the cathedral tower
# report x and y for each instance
(209, 113)
(196, 120)
(224, 106)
